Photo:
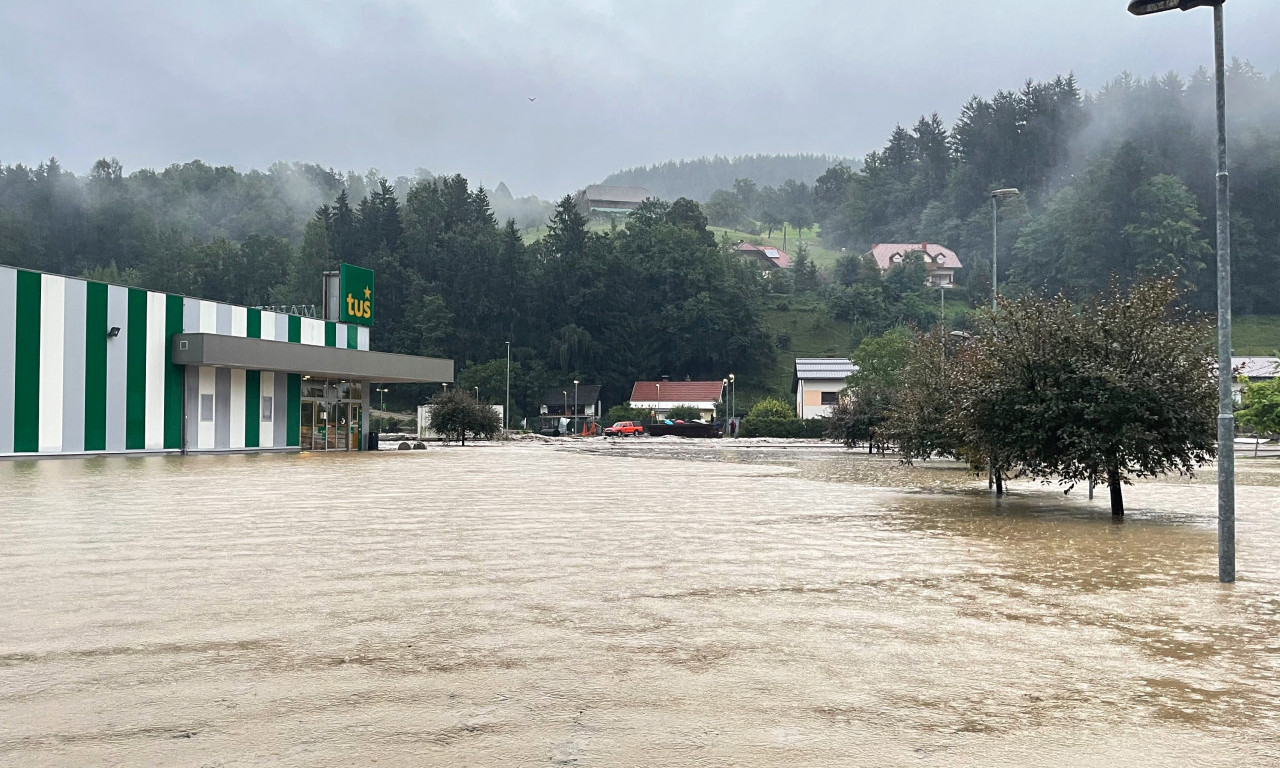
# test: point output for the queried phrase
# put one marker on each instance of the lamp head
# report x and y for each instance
(1144, 7)
(1008, 192)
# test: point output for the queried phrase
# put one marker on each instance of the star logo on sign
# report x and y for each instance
(367, 292)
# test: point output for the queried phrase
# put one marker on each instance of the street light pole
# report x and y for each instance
(1226, 418)
(566, 402)
(658, 411)
(506, 410)
(733, 400)
(995, 241)
(575, 407)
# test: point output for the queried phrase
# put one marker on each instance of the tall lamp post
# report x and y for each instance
(382, 400)
(995, 241)
(724, 391)
(506, 410)
(1226, 419)
(657, 413)
(477, 389)
(566, 402)
(575, 407)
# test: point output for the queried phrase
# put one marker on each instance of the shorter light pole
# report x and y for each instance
(575, 407)
(382, 399)
(566, 402)
(658, 411)
(477, 389)
(506, 411)
(942, 291)
(733, 400)
(724, 392)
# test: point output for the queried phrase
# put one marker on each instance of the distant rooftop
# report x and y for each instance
(935, 255)
(605, 193)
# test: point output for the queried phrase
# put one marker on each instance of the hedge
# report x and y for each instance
(808, 429)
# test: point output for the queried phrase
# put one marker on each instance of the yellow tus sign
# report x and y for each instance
(355, 286)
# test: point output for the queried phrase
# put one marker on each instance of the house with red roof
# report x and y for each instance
(940, 262)
(769, 257)
(659, 397)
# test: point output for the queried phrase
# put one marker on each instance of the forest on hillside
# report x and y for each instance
(697, 179)
(1120, 183)
(1116, 185)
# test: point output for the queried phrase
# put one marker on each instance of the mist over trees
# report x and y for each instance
(1118, 182)
(697, 179)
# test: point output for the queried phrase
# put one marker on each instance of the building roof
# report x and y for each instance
(936, 255)
(676, 392)
(824, 367)
(616, 194)
(1256, 367)
(587, 393)
(778, 256)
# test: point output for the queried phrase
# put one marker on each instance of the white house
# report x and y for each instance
(817, 384)
(1253, 368)
(940, 262)
(659, 397)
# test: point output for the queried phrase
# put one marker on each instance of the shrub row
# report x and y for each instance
(808, 429)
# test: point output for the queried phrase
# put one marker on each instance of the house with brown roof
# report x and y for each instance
(604, 200)
(769, 257)
(659, 397)
(940, 262)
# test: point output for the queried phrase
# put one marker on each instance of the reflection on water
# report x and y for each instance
(528, 605)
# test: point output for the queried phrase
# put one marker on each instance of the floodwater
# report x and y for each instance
(625, 604)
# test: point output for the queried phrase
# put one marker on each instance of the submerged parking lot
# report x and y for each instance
(622, 604)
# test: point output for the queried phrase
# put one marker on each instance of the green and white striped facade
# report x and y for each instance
(68, 386)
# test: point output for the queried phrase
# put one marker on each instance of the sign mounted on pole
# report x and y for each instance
(355, 292)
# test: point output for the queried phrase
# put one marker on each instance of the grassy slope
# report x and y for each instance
(1255, 335)
(823, 257)
(813, 333)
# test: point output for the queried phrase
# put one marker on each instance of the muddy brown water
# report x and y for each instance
(624, 605)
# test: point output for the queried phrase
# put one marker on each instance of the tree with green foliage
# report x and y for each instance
(1122, 386)
(1261, 411)
(625, 412)
(872, 390)
(455, 413)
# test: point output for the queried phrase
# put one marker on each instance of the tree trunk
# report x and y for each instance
(1117, 493)
(999, 483)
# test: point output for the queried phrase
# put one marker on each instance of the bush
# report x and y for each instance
(624, 413)
(684, 413)
(772, 408)
(793, 428)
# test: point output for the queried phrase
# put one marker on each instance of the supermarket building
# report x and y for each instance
(93, 368)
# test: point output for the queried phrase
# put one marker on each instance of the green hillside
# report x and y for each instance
(822, 256)
(1255, 335)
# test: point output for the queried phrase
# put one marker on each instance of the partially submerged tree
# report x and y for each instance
(1121, 387)
(455, 414)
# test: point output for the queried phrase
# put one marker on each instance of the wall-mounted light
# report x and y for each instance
(113, 332)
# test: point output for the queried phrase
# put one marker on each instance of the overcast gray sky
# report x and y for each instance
(445, 85)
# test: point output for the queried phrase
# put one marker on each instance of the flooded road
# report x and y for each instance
(624, 605)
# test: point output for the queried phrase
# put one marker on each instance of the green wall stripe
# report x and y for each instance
(252, 404)
(293, 423)
(295, 329)
(95, 367)
(353, 337)
(26, 390)
(330, 334)
(135, 398)
(253, 324)
(173, 374)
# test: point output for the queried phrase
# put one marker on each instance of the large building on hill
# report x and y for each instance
(599, 199)
(92, 368)
(940, 262)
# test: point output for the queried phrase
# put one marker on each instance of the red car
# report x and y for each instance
(624, 428)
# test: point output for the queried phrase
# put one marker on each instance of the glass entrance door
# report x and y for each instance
(331, 413)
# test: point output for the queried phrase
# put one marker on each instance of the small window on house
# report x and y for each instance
(206, 407)
(267, 402)
(830, 398)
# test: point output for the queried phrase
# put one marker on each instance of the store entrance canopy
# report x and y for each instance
(322, 362)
